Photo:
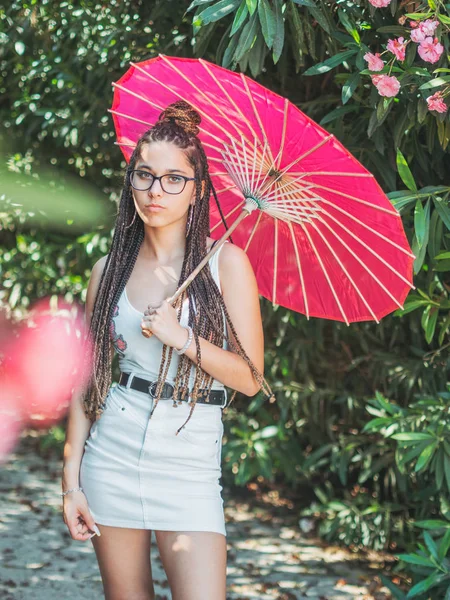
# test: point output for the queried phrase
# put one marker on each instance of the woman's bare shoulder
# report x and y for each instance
(235, 267)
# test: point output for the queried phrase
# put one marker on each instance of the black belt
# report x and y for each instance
(215, 397)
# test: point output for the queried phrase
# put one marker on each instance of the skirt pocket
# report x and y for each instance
(120, 405)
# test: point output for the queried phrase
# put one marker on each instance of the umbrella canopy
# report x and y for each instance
(322, 236)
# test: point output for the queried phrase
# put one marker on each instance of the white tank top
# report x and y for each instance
(142, 356)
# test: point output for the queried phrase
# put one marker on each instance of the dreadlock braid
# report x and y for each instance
(208, 314)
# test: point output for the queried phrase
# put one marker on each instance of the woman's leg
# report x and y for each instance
(195, 563)
(123, 557)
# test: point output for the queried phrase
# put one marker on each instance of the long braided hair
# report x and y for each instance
(178, 124)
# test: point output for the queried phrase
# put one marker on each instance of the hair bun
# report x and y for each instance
(182, 114)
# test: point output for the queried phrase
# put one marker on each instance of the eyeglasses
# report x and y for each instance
(171, 184)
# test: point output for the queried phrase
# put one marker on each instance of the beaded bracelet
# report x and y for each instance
(189, 340)
(78, 489)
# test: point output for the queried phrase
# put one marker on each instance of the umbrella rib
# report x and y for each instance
(374, 231)
(350, 216)
(230, 99)
(308, 152)
(268, 168)
(244, 165)
(311, 184)
(255, 226)
(358, 291)
(119, 114)
(154, 105)
(228, 215)
(290, 214)
(299, 268)
(367, 268)
(355, 199)
(334, 173)
(277, 160)
(333, 291)
(283, 134)
(275, 261)
(258, 118)
(197, 90)
(234, 171)
(253, 166)
(210, 158)
(227, 189)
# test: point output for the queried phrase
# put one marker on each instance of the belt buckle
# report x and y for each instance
(152, 390)
(225, 393)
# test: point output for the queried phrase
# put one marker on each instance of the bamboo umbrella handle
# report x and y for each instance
(247, 209)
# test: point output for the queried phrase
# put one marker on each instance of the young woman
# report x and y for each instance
(152, 460)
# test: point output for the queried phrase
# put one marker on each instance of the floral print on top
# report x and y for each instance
(120, 344)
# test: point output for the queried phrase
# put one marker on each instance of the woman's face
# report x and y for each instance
(163, 158)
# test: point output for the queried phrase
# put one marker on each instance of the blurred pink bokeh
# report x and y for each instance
(41, 368)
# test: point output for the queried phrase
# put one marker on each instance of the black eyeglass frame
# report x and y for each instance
(186, 179)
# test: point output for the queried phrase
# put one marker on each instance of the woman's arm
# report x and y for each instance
(241, 297)
(78, 424)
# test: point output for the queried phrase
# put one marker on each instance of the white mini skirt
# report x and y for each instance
(135, 472)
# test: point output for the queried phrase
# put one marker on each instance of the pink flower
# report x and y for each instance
(435, 102)
(374, 61)
(387, 86)
(429, 26)
(423, 30)
(417, 35)
(397, 47)
(430, 50)
(380, 3)
(376, 78)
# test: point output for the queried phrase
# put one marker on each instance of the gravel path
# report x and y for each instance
(268, 557)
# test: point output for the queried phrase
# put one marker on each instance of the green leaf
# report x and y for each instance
(432, 524)
(443, 210)
(278, 41)
(405, 172)
(305, 3)
(421, 221)
(415, 559)
(337, 113)
(349, 26)
(247, 38)
(413, 436)
(198, 3)
(251, 5)
(330, 63)
(218, 11)
(431, 545)
(349, 87)
(228, 55)
(267, 20)
(444, 19)
(425, 457)
(447, 470)
(424, 585)
(438, 81)
(257, 55)
(444, 546)
(431, 324)
(239, 18)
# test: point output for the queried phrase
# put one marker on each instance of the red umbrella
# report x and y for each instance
(320, 233)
